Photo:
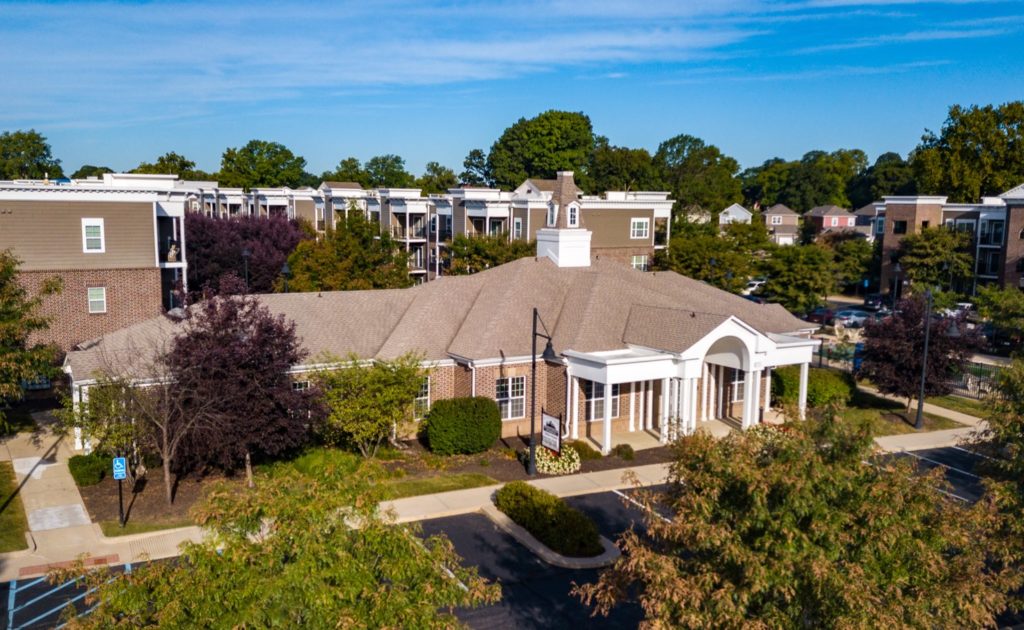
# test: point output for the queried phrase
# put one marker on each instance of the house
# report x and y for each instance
(870, 219)
(655, 352)
(117, 243)
(734, 214)
(783, 224)
(826, 218)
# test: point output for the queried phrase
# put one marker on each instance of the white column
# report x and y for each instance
(746, 418)
(803, 391)
(650, 405)
(632, 407)
(683, 419)
(695, 392)
(767, 391)
(663, 411)
(575, 408)
(606, 445)
(641, 408)
(705, 378)
(755, 404)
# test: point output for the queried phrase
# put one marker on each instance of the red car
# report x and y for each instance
(820, 315)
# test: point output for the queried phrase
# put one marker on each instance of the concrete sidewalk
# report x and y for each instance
(465, 501)
(928, 439)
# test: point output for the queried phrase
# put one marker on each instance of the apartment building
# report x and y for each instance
(117, 243)
(996, 225)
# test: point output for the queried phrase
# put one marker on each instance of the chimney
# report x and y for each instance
(566, 243)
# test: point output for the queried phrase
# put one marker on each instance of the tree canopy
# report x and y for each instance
(889, 175)
(172, 163)
(468, 255)
(437, 179)
(853, 256)
(354, 255)
(622, 168)
(475, 171)
(937, 257)
(261, 164)
(775, 528)
(541, 146)
(819, 178)
(27, 155)
(88, 170)
(348, 170)
(387, 171)
(800, 277)
(725, 260)
(1005, 308)
(698, 173)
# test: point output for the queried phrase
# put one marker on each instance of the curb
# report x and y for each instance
(609, 556)
(130, 538)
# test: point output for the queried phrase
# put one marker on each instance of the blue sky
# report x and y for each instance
(118, 83)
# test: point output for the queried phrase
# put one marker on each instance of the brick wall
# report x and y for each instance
(1014, 250)
(133, 295)
(624, 254)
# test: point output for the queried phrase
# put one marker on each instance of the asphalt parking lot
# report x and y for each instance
(959, 466)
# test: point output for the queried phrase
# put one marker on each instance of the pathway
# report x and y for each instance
(928, 439)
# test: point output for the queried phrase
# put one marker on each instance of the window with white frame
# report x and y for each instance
(574, 215)
(552, 215)
(421, 405)
(639, 228)
(93, 240)
(880, 225)
(510, 394)
(835, 221)
(776, 220)
(639, 263)
(517, 228)
(97, 300)
(594, 394)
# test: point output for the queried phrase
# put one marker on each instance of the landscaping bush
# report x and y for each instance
(563, 529)
(88, 470)
(624, 451)
(548, 463)
(584, 450)
(823, 386)
(463, 425)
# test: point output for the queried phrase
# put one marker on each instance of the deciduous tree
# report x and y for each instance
(889, 175)
(726, 260)
(937, 256)
(698, 174)
(369, 402)
(27, 155)
(790, 529)
(852, 255)
(88, 170)
(437, 179)
(800, 277)
(468, 255)
(261, 164)
(1004, 307)
(541, 146)
(387, 171)
(348, 170)
(475, 171)
(355, 255)
(172, 164)
(622, 168)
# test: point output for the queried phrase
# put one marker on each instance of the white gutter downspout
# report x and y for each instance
(472, 370)
(568, 391)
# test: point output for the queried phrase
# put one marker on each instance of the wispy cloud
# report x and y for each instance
(908, 37)
(809, 74)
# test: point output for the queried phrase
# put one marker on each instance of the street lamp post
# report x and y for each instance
(919, 422)
(549, 355)
(246, 253)
(285, 273)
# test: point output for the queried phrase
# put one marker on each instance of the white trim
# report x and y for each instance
(91, 223)
(90, 299)
(634, 233)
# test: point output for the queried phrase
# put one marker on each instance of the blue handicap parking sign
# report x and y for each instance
(120, 468)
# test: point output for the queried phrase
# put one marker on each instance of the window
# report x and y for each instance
(640, 228)
(639, 263)
(552, 215)
(517, 228)
(421, 405)
(880, 225)
(925, 225)
(510, 394)
(594, 393)
(574, 216)
(899, 227)
(776, 220)
(97, 300)
(299, 386)
(835, 221)
(93, 241)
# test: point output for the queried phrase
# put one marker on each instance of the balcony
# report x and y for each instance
(414, 232)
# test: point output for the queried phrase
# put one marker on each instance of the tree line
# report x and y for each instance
(979, 150)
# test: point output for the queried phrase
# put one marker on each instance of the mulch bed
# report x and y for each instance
(149, 503)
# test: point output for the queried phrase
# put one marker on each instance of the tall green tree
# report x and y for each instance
(726, 260)
(348, 170)
(27, 155)
(1004, 307)
(468, 255)
(698, 173)
(369, 403)
(387, 171)
(773, 529)
(261, 164)
(88, 170)
(889, 175)
(355, 255)
(437, 179)
(800, 277)
(172, 164)
(20, 359)
(853, 256)
(764, 185)
(978, 152)
(622, 168)
(937, 257)
(475, 171)
(541, 146)
(819, 178)
(300, 551)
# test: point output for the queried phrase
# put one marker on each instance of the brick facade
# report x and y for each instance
(1013, 267)
(133, 295)
(624, 254)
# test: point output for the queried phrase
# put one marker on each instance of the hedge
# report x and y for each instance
(463, 425)
(88, 470)
(823, 386)
(551, 520)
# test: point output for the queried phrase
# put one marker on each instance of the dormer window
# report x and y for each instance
(574, 216)
(552, 215)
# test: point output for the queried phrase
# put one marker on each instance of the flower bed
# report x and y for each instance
(550, 464)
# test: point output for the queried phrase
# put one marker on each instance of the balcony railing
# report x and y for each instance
(399, 232)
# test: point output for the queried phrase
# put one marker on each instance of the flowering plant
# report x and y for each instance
(550, 464)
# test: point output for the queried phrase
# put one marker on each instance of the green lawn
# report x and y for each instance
(890, 418)
(13, 523)
(969, 406)
(111, 528)
(400, 488)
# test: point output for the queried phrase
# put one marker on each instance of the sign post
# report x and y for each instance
(120, 472)
(551, 432)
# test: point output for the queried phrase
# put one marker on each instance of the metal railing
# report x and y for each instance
(398, 231)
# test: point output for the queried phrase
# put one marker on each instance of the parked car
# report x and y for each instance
(756, 299)
(851, 318)
(753, 286)
(821, 315)
(873, 301)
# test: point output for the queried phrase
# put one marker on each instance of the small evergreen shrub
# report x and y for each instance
(824, 386)
(584, 450)
(463, 425)
(624, 451)
(565, 530)
(88, 470)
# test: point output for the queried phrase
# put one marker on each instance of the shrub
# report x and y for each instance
(463, 425)
(88, 470)
(320, 461)
(584, 450)
(824, 386)
(624, 451)
(548, 463)
(551, 520)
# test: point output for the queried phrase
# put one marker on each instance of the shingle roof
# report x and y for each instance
(1017, 192)
(489, 314)
(780, 209)
(549, 185)
(352, 185)
(825, 211)
(868, 210)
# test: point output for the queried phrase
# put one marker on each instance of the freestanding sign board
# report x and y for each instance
(120, 468)
(551, 432)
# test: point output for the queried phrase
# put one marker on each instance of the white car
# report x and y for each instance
(851, 318)
(752, 286)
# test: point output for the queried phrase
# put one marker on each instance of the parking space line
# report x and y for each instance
(969, 452)
(938, 463)
(642, 506)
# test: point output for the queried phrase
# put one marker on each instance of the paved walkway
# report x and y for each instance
(928, 439)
